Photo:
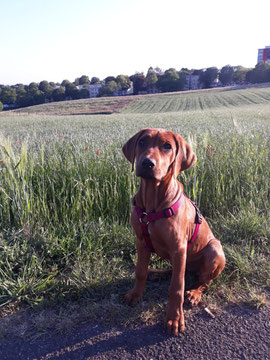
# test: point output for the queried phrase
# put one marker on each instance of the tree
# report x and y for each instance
(17, 86)
(158, 71)
(33, 92)
(226, 75)
(47, 88)
(84, 80)
(95, 80)
(123, 82)
(267, 74)
(208, 76)
(38, 97)
(240, 74)
(171, 81)
(65, 82)
(109, 88)
(109, 78)
(59, 94)
(151, 80)
(32, 87)
(72, 91)
(186, 71)
(182, 79)
(139, 83)
(23, 98)
(43, 85)
(8, 95)
(84, 93)
(260, 73)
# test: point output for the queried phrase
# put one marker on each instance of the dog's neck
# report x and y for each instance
(154, 195)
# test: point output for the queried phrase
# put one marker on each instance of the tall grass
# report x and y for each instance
(64, 211)
(65, 191)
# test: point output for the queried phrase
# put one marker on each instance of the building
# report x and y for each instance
(264, 55)
(93, 89)
(192, 81)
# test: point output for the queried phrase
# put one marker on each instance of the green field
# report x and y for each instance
(65, 192)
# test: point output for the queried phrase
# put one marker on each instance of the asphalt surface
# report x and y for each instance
(235, 333)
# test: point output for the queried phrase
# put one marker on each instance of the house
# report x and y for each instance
(192, 81)
(93, 89)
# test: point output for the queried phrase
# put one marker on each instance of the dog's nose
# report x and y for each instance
(148, 163)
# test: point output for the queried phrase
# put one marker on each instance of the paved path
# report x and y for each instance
(236, 333)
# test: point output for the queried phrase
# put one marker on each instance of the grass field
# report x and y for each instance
(65, 192)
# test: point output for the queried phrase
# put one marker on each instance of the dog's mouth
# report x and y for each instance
(145, 173)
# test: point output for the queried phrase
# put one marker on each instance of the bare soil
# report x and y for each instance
(235, 333)
(94, 106)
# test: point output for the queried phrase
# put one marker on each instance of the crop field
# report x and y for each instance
(202, 100)
(65, 191)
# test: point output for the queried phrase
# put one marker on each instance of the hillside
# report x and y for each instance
(200, 100)
(93, 106)
(157, 103)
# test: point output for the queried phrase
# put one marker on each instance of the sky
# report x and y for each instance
(63, 39)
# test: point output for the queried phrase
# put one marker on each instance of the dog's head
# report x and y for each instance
(158, 153)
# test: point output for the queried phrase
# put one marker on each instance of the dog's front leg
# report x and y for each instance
(136, 293)
(175, 314)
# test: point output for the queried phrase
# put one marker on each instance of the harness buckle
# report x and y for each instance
(141, 218)
(168, 212)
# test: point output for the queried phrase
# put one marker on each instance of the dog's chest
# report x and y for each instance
(164, 237)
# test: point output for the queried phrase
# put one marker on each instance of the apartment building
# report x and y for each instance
(264, 55)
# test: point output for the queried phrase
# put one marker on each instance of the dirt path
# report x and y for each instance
(235, 333)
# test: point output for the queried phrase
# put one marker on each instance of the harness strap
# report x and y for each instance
(198, 221)
(146, 218)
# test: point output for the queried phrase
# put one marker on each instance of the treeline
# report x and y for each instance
(155, 80)
(20, 95)
(172, 80)
(33, 94)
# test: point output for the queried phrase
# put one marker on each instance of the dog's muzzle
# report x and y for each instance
(146, 167)
(148, 163)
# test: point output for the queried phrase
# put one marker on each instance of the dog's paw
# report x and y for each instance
(193, 297)
(173, 327)
(132, 298)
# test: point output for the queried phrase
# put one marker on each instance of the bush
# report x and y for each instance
(1, 106)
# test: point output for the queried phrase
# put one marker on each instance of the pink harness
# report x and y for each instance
(146, 218)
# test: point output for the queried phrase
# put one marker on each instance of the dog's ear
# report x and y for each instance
(184, 157)
(129, 149)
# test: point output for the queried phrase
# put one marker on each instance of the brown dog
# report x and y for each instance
(168, 223)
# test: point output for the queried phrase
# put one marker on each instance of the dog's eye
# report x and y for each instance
(142, 142)
(167, 146)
